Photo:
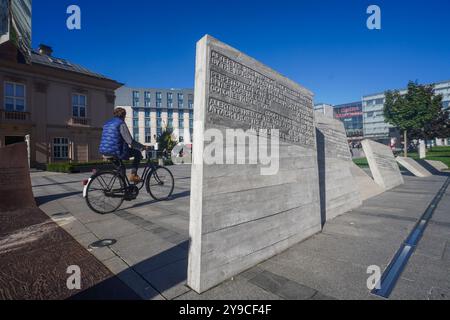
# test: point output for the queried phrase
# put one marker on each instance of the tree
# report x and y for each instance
(413, 110)
(437, 128)
(166, 141)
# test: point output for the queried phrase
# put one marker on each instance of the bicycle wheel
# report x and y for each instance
(105, 192)
(160, 183)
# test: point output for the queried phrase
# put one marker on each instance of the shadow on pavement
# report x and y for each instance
(161, 273)
(432, 169)
(44, 199)
(173, 197)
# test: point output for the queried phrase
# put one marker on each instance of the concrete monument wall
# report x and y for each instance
(366, 186)
(238, 216)
(338, 188)
(437, 165)
(414, 167)
(382, 163)
(422, 150)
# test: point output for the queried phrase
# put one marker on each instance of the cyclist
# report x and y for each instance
(116, 142)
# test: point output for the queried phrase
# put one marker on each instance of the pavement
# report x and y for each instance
(152, 239)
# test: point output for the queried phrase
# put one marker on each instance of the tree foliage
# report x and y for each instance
(437, 128)
(418, 113)
(413, 110)
(166, 141)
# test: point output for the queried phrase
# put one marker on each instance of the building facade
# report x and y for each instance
(57, 106)
(325, 109)
(351, 114)
(150, 111)
(375, 126)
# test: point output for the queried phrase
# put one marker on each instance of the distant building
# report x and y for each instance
(375, 126)
(351, 114)
(325, 109)
(150, 111)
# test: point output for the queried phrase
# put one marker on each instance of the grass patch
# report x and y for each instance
(361, 162)
(436, 153)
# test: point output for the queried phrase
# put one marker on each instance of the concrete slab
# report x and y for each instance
(414, 167)
(243, 214)
(383, 166)
(366, 186)
(438, 165)
(337, 185)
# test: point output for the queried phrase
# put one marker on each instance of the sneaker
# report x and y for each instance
(134, 178)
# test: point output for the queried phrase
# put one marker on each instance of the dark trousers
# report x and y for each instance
(137, 155)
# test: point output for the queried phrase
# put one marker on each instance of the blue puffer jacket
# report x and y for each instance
(112, 143)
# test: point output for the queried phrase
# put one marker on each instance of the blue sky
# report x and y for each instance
(323, 45)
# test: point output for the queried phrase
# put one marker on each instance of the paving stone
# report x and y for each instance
(170, 280)
(282, 286)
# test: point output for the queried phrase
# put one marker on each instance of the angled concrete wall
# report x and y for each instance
(338, 188)
(366, 186)
(433, 166)
(239, 217)
(382, 163)
(414, 167)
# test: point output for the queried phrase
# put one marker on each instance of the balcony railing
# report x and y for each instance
(14, 116)
(75, 121)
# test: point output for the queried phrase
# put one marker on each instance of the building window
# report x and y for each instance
(180, 100)
(191, 123)
(158, 99)
(135, 98)
(14, 97)
(158, 114)
(170, 100)
(191, 115)
(191, 101)
(60, 148)
(170, 114)
(135, 113)
(159, 123)
(136, 134)
(147, 123)
(147, 113)
(147, 99)
(79, 105)
(135, 123)
(181, 123)
(158, 132)
(148, 136)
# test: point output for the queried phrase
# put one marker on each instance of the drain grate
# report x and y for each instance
(102, 243)
(395, 268)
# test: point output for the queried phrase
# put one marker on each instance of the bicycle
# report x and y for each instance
(106, 190)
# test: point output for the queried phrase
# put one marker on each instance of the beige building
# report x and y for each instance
(60, 107)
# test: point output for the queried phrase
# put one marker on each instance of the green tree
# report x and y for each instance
(166, 141)
(412, 111)
(437, 128)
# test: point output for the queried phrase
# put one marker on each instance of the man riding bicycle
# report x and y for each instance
(116, 142)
